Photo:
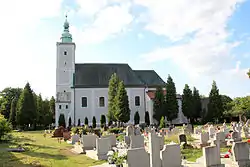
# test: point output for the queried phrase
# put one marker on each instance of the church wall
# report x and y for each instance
(93, 108)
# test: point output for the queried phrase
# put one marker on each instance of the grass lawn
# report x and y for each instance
(41, 152)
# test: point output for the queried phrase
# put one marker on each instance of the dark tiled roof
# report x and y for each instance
(150, 77)
(97, 75)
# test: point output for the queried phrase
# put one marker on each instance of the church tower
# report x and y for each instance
(65, 69)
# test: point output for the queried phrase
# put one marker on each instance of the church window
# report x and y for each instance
(60, 107)
(65, 53)
(65, 63)
(101, 102)
(137, 100)
(84, 101)
(66, 106)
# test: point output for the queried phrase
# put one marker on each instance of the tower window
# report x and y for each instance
(65, 63)
(66, 106)
(84, 102)
(60, 107)
(137, 100)
(65, 53)
(101, 102)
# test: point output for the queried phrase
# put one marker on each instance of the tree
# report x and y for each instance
(52, 108)
(248, 73)
(112, 91)
(171, 104)
(162, 122)
(136, 118)
(4, 126)
(187, 103)
(48, 117)
(158, 105)
(26, 111)
(103, 121)
(70, 122)
(79, 122)
(197, 107)
(12, 118)
(122, 113)
(240, 106)
(94, 122)
(147, 120)
(39, 109)
(61, 121)
(6, 97)
(86, 121)
(215, 107)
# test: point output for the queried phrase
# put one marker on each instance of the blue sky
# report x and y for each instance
(195, 43)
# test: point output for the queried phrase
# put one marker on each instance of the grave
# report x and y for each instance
(241, 154)
(211, 157)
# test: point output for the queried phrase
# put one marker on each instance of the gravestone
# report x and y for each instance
(130, 130)
(75, 138)
(236, 137)
(182, 138)
(204, 138)
(136, 141)
(154, 150)
(211, 157)
(211, 131)
(171, 155)
(241, 154)
(103, 146)
(137, 157)
(89, 141)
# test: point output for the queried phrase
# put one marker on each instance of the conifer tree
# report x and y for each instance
(215, 106)
(39, 110)
(52, 105)
(94, 122)
(61, 120)
(112, 91)
(12, 118)
(171, 104)
(187, 103)
(136, 118)
(162, 122)
(196, 104)
(48, 118)
(147, 120)
(103, 121)
(158, 105)
(26, 111)
(86, 121)
(122, 113)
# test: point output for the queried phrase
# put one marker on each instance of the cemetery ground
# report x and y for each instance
(40, 151)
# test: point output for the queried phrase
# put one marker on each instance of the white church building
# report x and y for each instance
(82, 88)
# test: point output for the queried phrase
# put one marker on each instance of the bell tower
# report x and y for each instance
(65, 69)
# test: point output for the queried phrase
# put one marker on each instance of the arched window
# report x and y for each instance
(101, 102)
(137, 100)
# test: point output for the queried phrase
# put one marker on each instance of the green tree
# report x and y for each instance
(162, 122)
(171, 104)
(40, 110)
(158, 105)
(187, 103)
(70, 122)
(94, 122)
(86, 121)
(136, 118)
(48, 118)
(26, 109)
(79, 122)
(197, 107)
(12, 118)
(112, 91)
(4, 126)
(6, 97)
(52, 105)
(215, 107)
(248, 73)
(103, 121)
(122, 113)
(61, 121)
(147, 119)
(239, 107)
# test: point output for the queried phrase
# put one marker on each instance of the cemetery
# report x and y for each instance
(132, 146)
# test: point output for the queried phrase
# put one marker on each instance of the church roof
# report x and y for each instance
(97, 75)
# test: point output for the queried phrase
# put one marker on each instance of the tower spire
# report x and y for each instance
(66, 36)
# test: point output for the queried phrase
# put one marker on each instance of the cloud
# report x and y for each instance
(108, 22)
(208, 50)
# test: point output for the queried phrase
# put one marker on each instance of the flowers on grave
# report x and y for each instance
(117, 158)
(248, 141)
(226, 156)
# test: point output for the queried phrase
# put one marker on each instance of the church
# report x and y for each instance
(82, 88)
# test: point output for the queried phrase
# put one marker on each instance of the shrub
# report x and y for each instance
(61, 120)
(75, 130)
(162, 122)
(94, 122)
(103, 121)
(4, 126)
(86, 121)
(115, 130)
(136, 118)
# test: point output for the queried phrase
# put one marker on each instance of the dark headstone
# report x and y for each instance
(59, 132)
(182, 138)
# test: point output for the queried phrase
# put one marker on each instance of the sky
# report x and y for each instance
(195, 41)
